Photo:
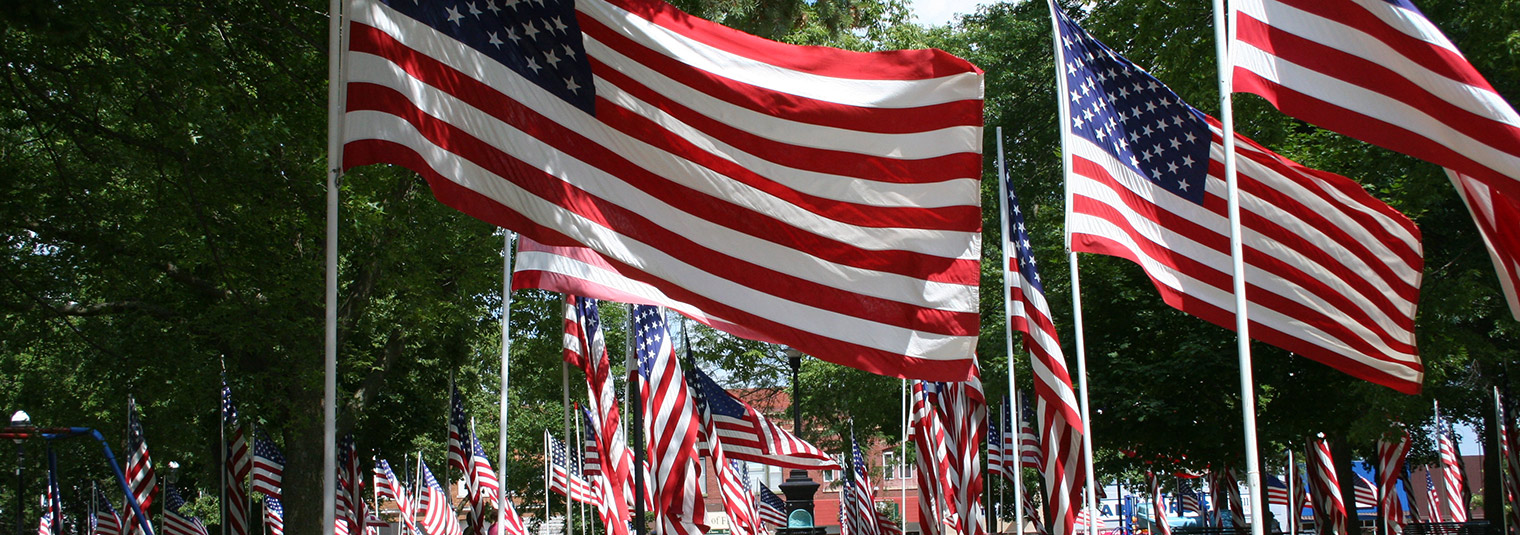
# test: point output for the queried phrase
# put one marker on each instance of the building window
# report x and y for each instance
(890, 467)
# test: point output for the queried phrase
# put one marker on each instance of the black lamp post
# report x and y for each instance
(798, 487)
(20, 419)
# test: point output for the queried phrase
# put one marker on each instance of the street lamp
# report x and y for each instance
(18, 420)
(798, 487)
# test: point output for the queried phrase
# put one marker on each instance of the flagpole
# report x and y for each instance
(506, 374)
(1223, 33)
(902, 460)
(335, 106)
(1018, 475)
(1292, 480)
(636, 397)
(222, 454)
(564, 385)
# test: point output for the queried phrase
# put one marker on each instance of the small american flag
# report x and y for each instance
(1187, 499)
(995, 447)
(591, 457)
(268, 467)
(106, 521)
(352, 513)
(274, 516)
(1158, 506)
(459, 448)
(963, 409)
(671, 425)
(886, 525)
(1277, 491)
(437, 516)
(564, 476)
(586, 347)
(747, 435)
(237, 466)
(139, 470)
(1432, 501)
(932, 462)
(1032, 511)
(738, 501)
(1507, 446)
(1451, 471)
(1325, 489)
(1366, 494)
(175, 523)
(486, 483)
(387, 487)
(1030, 455)
(859, 494)
(772, 508)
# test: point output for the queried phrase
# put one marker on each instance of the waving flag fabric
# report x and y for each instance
(564, 477)
(106, 521)
(1333, 274)
(274, 516)
(1451, 472)
(459, 447)
(772, 508)
(437, 516)
(1383, 73)
(586, 348)
(237, 467)
(139, 469)
(932, 462)
(1495, 214)
(1277, 491)
(963, 409)
(1010, 433)
(737, 500)
(1158, 505)
(859, 496)
(995, 447)
(268, 467)
(825, 199)
(176, 523)
(387, 487)
(1030, 450)
(352, 509)
(1507, 446)
(1059, 443)
(1366, 494)
(749, 436)
(1391, 450)
(1032, 511)
(1325, 489)
(671, 425)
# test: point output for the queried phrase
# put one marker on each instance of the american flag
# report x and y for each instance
(1187, 499)
(1032, 511)
(671, 426)
(437, 516)
(932, 462)
(387, 487)
(106, 521)
(1059, 457)
(1300, 491)
(1507, 442)
(482, 484)
(858, 493)
(1432, 501)
(1492, 210)
(1451, 471)
(1391, 453)
(737, 500)
(583, 336)
(1158, 506)
(237, 466)
(1383, 73)
(1229, 496)
(350, 504)
(1366, 494)
(1030, 455)
(564, 476)
(772, 508)
(274, 516)
(513, 522)
(1333, 272)
(1325, 489)
(268, 467)
(139, 470)
(51, 522)
(995, 448)
(1010, 434)
(591, 456)
(886, 525)
(175, 523)
(748, 435)
(1277, 491)
(459, 449)
(963, 409)
(793, 173)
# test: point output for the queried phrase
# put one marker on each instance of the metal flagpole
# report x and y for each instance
(335, 97)
(506, 374)
(580, 448)
(1018, 470)
(564, 385)
(902, 461)
(1223, 33)
(548, 467)
(1291, 480)
(222, 455)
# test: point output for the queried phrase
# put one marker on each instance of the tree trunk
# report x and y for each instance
(1340, 452)
(302, 485)
(1493, 482)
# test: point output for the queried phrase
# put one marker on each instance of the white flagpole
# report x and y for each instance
(564, 385)
(506, 374)
(1224, 31)
(902, 460)
(1293, 512)
(221, 454)
(335, 106)
(1018, 470)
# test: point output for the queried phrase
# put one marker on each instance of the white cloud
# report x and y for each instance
(941, 12)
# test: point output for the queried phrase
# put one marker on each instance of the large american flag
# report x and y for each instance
(671, 426)
(1159, 514)
(268, 467)
(749, 436)
(437, 516)
(825, 199)
(139, 470)
(1391, 453)
(1383, 73)
(932, 463)
(772, 508)
(859, 496)
(586, 347)
(387, 487)
(1333, 273)
(106, 521)
(274, 516)
(1060, 457)
(237, 466)
(1325, 489)
(1451, 471)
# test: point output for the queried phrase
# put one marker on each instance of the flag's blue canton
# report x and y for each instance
(134, 429)
(557, 452)
(429, 480)
(771, 499)
(1132, 116)
(713, 396)
(1023, 253)
(860, 459)
(172, 499)
(229, 411)
(274, 506)
(263, 447)
(650, 336)
(539, 39)
(457, 418)
(994, 435)
(385, 469)
(590, 317)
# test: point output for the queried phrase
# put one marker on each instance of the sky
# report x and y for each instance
(940, 12)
